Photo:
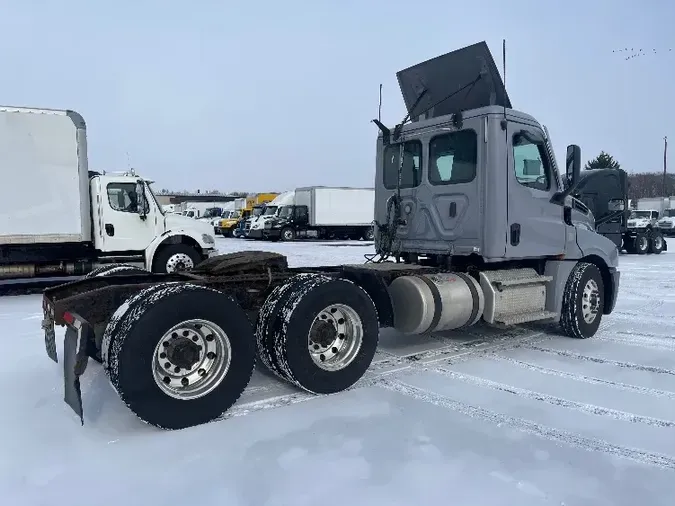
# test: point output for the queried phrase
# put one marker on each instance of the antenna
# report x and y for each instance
(379, 106)
(504, 69)
(128, 160)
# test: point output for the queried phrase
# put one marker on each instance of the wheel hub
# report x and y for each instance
(335, 337)
(590, 303)
(323, 333)
(191, 359)
(179, 262)
(183, 353)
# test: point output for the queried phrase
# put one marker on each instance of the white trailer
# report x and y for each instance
(322, 212)
(57, 218)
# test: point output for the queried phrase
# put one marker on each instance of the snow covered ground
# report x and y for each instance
(479, 417)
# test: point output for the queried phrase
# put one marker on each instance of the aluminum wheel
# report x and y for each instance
(335, 337)
(658, 242)
(179, 262)
(590, 302)
(642, 244)
(191, 359)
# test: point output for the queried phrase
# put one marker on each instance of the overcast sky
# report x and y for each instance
(270, 95)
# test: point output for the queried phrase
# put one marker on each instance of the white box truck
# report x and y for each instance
(321, 212)
(57, 218)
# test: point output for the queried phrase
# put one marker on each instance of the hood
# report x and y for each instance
(176, 221)
(450, 73)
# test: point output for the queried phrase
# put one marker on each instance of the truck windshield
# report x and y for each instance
(640, 214)
(257, 211)
(270, 210)
(670, 213)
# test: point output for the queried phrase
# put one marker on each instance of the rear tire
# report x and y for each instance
(176, 258)
(641, 243)
(115, 269)
(583, 301)
(656, 242)
(369, 234)
(135, 361)
(318, 333)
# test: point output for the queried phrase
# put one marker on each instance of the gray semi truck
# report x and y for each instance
(473, 222)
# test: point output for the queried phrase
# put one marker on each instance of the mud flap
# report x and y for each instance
(50, 338)
(75, 360)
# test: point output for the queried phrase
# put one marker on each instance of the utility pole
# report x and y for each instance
(665, 165)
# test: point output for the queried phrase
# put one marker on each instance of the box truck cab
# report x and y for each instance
(76, 219)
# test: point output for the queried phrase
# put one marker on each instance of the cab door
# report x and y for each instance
(123, 227)
(535, 225)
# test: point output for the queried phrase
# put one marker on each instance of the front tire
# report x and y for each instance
(583, 301)
(179, 355)
(318, 333)
(176, 258)
(287, 234)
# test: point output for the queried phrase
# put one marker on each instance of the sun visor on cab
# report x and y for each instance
(457, 81)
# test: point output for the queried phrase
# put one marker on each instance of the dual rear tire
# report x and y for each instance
(181, 355)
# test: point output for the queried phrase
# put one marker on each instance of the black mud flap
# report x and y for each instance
(50, 338)
(75, 360)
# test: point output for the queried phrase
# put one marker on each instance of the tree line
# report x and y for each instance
(640, 185)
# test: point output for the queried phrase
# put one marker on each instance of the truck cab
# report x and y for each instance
(666, 223)
(127, 218)
(472, 183)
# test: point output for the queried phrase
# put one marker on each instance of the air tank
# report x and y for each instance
(435, 302)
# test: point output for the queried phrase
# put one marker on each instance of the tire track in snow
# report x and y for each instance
(654, 392)
(598, 360)
(590, 409)
(388, 366)
(527, 426)
(641, 340)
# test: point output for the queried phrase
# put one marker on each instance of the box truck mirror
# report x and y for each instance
(141, 202)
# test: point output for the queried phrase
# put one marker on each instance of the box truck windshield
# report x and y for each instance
(270, 210)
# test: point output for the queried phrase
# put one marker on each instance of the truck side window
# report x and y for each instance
(531, 164)
(122, 197)
(301, 213)
(453, 157)
(411, 172)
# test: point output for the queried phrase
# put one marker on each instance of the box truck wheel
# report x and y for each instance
(318, 332)
(179, 355)
(287, 234)
(583, 301)
(369, 234)
(656, 242)
(175, 258)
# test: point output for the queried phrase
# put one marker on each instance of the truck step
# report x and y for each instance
(514, 295)
(517, 319)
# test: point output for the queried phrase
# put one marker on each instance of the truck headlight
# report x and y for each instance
(208, 239)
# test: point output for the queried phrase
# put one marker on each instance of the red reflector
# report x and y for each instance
(68, 318)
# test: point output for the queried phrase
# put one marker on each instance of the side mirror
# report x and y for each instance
(140, 196)
(573, 164)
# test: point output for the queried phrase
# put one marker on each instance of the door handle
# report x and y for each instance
(110, 229)
(453, 209)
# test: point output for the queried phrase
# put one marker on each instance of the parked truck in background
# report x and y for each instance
(77, 220)
(469, 205)
(321, 212)
(255, 202)
(643, 235)
(271, 210)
